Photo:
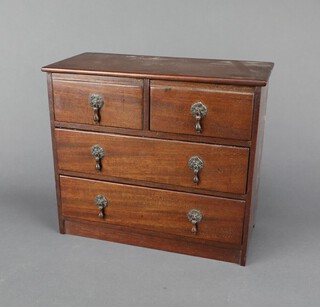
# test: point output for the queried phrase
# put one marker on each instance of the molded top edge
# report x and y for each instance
(251, 73)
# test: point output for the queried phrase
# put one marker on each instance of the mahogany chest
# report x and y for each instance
(159, 152)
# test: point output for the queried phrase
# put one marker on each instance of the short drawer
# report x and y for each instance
(105, 101)
(224, 168)
(211, 110)
(157, 210)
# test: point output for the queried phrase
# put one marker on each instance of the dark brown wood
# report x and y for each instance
(169, 68)
(259, 147)
(153, 209)
(55, 161)
(150, 239)
(146, 104)
(122, 100)
(254, 167)
(143, 183)
(225, 168)
(155, 134)
(229, 109)
(147, 133)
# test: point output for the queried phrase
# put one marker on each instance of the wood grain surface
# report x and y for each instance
(254, 167)
(250, 73)
(153, 209)
(152, 239)
(229, 109)
(122, 100)
(225, 168)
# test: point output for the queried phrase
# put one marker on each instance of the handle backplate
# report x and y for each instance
(199, 110)
(101, 202)
(96, 102)
(98, 153)
(195, 164)
(195, 217)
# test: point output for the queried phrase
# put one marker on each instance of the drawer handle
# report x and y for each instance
(96, 102)
(195, 164)
(101, 202)
(195, 217)
(98, 153)
(198, 110)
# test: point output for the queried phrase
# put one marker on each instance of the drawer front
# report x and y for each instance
(115, 102)
(167, 162)
(226, 110)
(153, 209)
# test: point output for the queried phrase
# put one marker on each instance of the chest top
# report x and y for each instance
(249, 73)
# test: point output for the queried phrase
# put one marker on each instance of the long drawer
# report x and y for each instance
(217, 168)
(153, 209)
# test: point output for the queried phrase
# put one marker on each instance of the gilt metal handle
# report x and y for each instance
(98, 153)
(198, 110)
(101, 202)
(195, 217)
(195, 164)
(96, 102)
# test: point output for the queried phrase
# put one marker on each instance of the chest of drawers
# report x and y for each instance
(159, 152)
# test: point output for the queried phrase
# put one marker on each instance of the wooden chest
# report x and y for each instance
(159, 152)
